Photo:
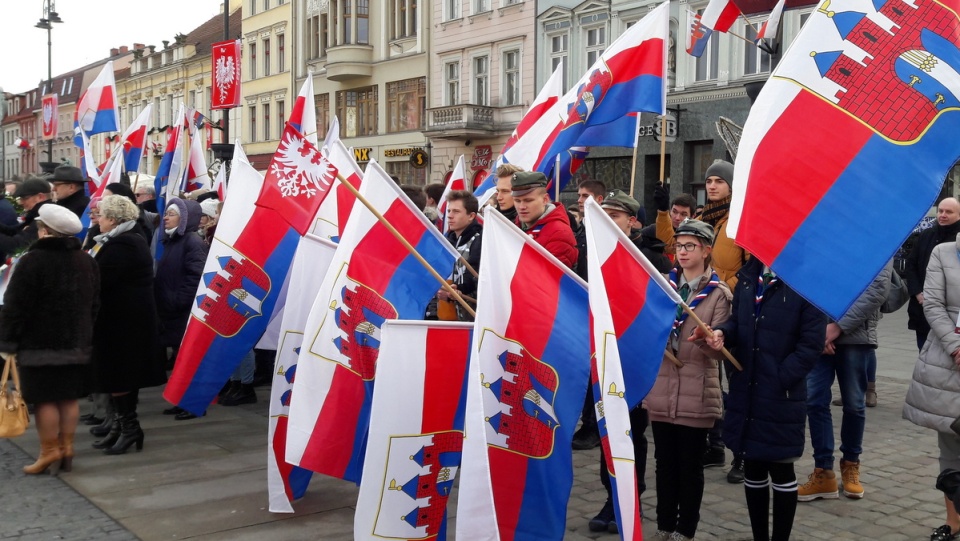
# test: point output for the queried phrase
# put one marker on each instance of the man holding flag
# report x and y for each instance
(465, 235)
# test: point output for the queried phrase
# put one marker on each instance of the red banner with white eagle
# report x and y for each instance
(226, 74)
(48, 117)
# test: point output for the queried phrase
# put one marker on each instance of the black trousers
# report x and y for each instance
(639, 419)
(679, 455)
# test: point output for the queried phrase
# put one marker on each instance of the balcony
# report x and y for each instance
(345, 62)
(465, 121)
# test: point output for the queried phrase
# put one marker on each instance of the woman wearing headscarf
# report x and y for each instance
(47, 321)
(178, 274)
(126, 354)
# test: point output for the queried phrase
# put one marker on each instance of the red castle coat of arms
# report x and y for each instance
(235, 290)
(522, 419)
(589, 96)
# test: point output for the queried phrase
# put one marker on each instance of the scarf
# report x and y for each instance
(681, 313)
(765, 281)
(714, 211)
(102, 238)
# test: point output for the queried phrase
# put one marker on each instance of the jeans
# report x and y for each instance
(679, 454)
(244, 372)
(849, 365)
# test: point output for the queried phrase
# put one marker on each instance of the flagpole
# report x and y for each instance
(734, 34)
(413, 251)
(663, 146)
(556, 180)
(673, 358)
(749, 23)
(707, 331)
(636, 143)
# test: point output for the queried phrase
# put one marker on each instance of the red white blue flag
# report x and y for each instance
(372, 278)
(631, 322)
(331, 218)
(529, 361)
(285, 482)
(195, 175)
(97, 107)
(857, 125)
(718, 16)
(170, 171)
(134, 140)
(247, 262)
(416, 431)
(457, 181)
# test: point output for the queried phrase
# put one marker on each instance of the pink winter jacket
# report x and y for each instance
(690, 396)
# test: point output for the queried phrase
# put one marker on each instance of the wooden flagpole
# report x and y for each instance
(706, 330)
(413, 251)
(663, 146)
(636, 144)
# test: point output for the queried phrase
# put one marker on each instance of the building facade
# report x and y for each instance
(15, 147)
(369, 62)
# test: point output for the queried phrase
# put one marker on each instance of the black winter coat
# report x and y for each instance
(469, 245)
(766, 408)
(77, 202)
(14, 239)
(50, 305)
(916, 269)
(126, 352)
(178, 275)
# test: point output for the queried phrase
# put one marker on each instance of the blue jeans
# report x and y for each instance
(244, 372)
(849, 365)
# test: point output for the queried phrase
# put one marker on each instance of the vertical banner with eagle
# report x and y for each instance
(226, 74)
(372, 278)
(247, 263)
(416, 431)
(529, 368)
(871, 94)
(48, 119)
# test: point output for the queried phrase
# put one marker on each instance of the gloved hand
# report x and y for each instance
(661, 196)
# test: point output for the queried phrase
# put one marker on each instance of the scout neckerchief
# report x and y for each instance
(684, 291)
(765, 281)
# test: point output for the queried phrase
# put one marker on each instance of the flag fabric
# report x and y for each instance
(529, 361)
(195, 175)
(718, 16)
(298, 179)
(331, 218)
(97, 107)
(548, 96)
(371, 279)
(304, 113)
(457, 181)
(225, 57)
(632, 311)
(880, 125)
(287, 483)
(629, 77)
(134, 140)
(416, 431)
(87, 163)
(170, 170)
(220, 183)
(49, 118)
(247, 262)
(772, 24)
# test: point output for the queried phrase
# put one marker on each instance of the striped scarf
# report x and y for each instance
(714, 211)
(761, 288)
(681, 313)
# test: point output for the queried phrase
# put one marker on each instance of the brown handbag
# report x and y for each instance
(14, 418)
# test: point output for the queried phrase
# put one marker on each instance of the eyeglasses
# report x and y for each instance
(688, 247)
(140, 194)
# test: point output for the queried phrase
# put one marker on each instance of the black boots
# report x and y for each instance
(130, 431)
(102, 429)
(110, 427)
(244, 394)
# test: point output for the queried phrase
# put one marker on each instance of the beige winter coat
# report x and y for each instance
(690, 395)
(933, 398)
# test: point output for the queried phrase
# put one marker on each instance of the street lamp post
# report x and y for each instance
(50, 16)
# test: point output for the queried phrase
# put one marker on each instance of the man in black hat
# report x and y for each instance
(68, 190)
(33, 193)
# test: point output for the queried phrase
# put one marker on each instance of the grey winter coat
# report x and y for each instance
(933, 398)
(859, 324)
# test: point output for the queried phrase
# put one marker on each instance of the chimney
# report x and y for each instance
(124, 49)
(114, 51)
(166, 44)
(138, 46)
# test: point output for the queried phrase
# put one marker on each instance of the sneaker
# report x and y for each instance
(604, 518)
(821, 484)
(735, 475)
(943, 533)
(677, 536)
(837, 402)
(662, 535)
(850, 474)
(714, 457)
(586, 439)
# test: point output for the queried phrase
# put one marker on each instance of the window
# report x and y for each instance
(481, 80)
(481, 6)
(406, 104)
(363, 21)
(559, 45)
(451, 10)
(281, 54)
(708, 65)
(404, 18)
(156, 112)
(511, 78)
(596, 43)
(451, 76)
(266, 58)
(266, 6)
(321, 103)
(253, 60)
(253, 123)
(357, 110)
(253, 7)
(407, 173)
(314, 31)
(755, 60)
(266, 121)
(282, 119)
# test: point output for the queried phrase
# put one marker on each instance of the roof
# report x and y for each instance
(211, 31)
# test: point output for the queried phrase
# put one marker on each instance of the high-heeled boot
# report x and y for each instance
(109, 416)
(49, 458)
(112, 436)
(66, 451)
(130, 431)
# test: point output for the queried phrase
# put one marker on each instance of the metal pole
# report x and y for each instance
(226, 36)
(49, 74)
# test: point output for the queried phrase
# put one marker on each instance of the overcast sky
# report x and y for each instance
(90, 29)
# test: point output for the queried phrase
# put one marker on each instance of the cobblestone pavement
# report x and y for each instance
(206, 479)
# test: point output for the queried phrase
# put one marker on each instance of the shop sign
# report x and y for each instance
(482, 157)
(362, 154)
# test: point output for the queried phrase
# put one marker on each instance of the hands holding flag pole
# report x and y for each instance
(707, 334)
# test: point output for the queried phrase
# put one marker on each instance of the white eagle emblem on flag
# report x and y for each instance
(300, 169)
(226, 73)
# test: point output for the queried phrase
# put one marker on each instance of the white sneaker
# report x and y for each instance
(677, 536)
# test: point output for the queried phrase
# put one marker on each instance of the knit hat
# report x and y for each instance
(696, 228)
(209, 207)
(722, 169)
(60, 219)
